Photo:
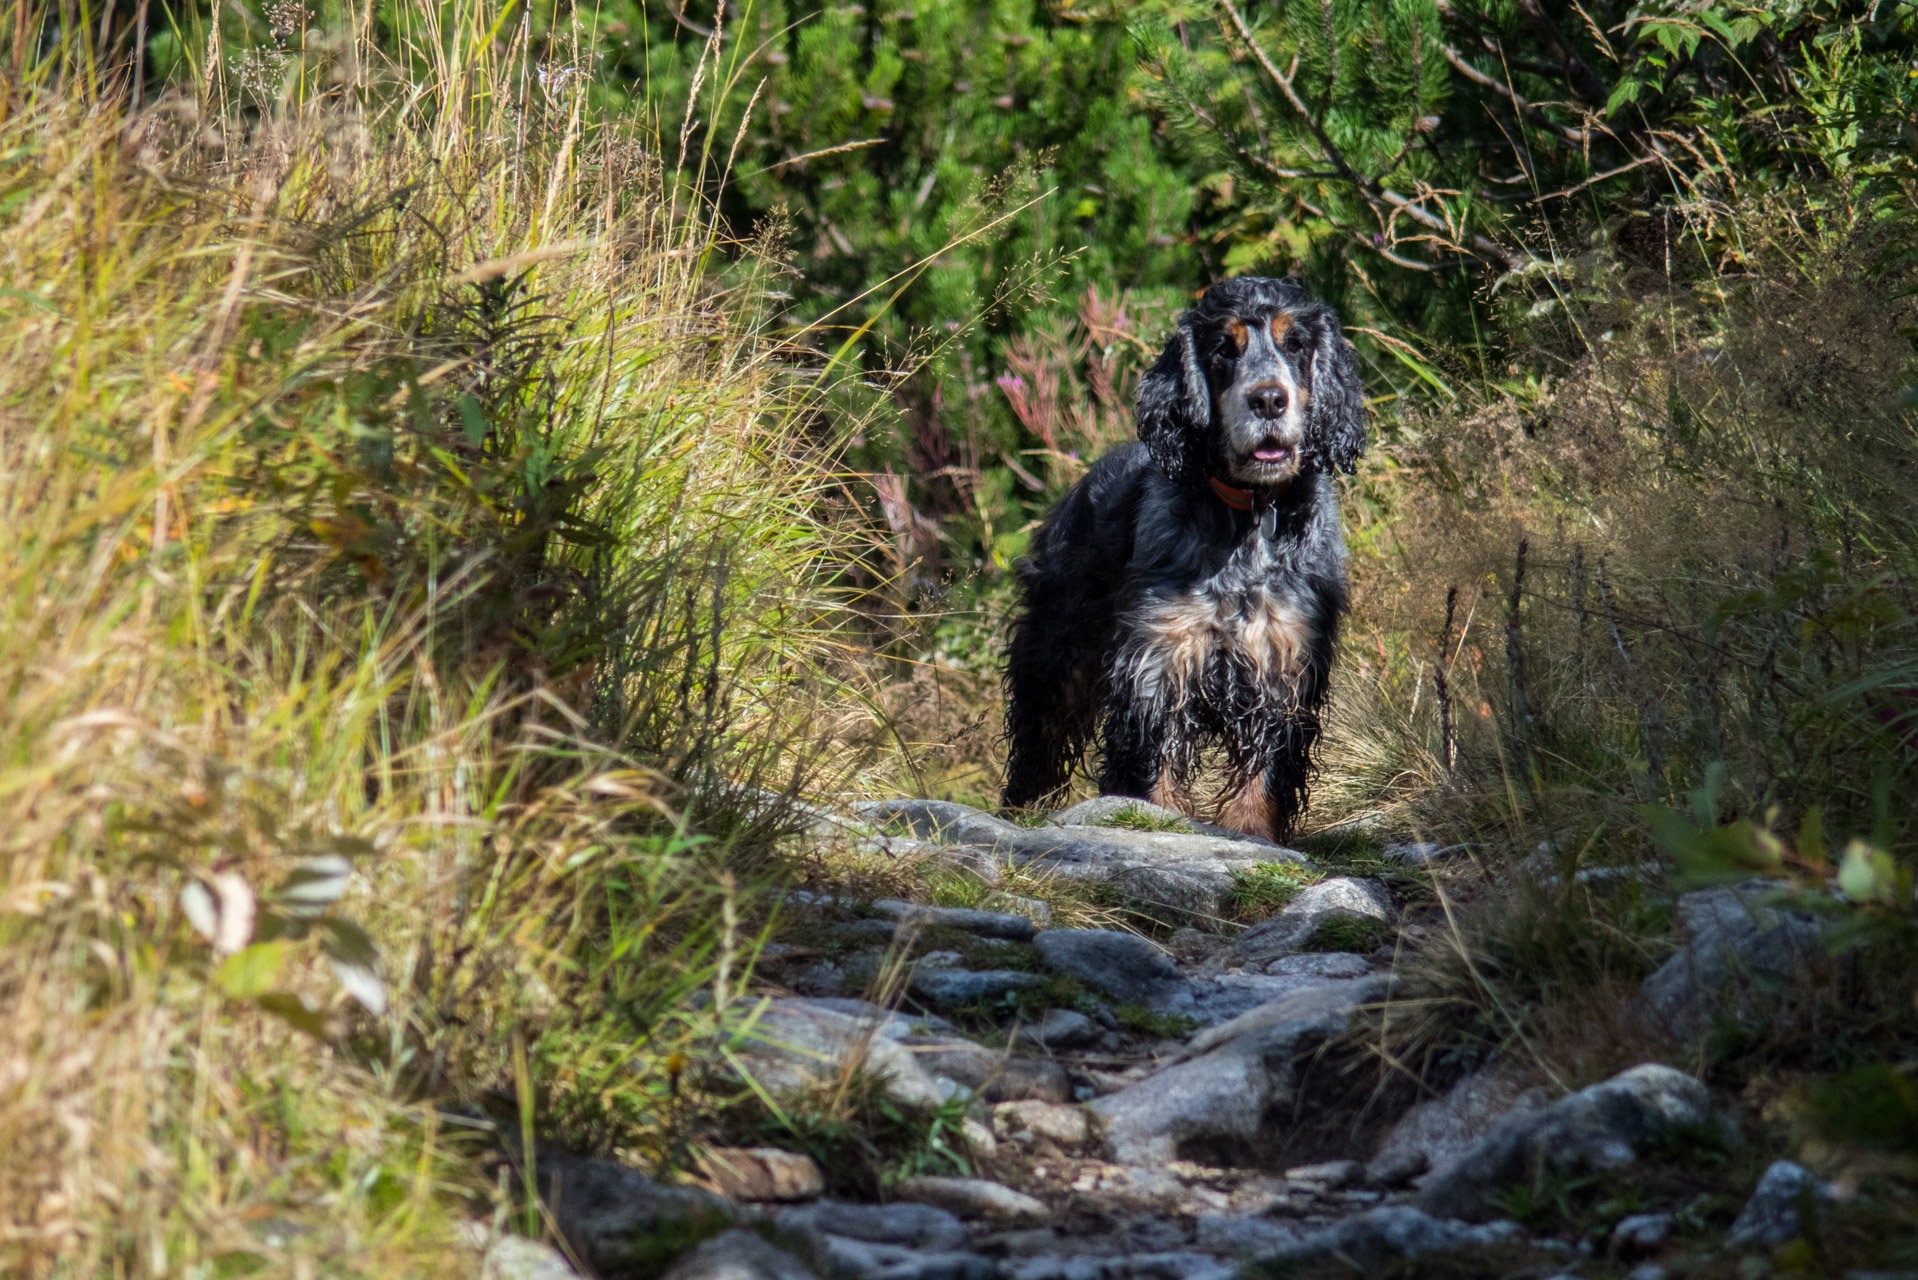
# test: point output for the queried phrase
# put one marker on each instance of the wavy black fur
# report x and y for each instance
(1144, 536)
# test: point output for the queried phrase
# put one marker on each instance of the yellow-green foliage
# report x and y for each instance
(341, 438)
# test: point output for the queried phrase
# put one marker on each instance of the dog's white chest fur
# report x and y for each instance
(1251, 634)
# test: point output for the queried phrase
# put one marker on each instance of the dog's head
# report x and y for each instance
(1257, 385)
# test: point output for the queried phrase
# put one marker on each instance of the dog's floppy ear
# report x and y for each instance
(1175, 409)
(1335, 424)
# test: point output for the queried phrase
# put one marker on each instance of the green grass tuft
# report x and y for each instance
(1268, 887)
(1136, 818)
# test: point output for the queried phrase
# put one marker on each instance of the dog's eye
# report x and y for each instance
(1289, 336)
(1236, 330)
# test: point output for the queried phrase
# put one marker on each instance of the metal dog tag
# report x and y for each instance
(1269, 522)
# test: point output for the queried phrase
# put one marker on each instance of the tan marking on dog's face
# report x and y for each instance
(1235, 329)
(1280, 323)
(1250, 811)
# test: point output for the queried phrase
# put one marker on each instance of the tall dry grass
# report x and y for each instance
(404, 535)
(1670, 566)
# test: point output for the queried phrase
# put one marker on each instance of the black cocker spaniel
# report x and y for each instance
(1188, 591)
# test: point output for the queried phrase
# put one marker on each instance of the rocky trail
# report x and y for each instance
(1136, 1110)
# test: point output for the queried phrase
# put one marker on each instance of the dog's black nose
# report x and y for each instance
(1267, 402)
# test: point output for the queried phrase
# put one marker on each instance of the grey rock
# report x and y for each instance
(1436, 1132)
(1193, 946)
(1320, 964)
(1332, 1174)
(887, 1021)
(1130, 969)
(1292, 929)
(738, 1255)
(1369, 1240)
(1219, 1089)
(1130, 1189)
(1771, 1217)
(1169, 1266)
(1224, 996)
(1171, 870)
(517, 1258)
(1370, 825)
(824, 979)
(975, 1198)
(941, 820)
(1046, 1267)
(1243, 1235)
(1061, 1029)
(903, 847)
(965, 986)
(610, 1215)
(1133, 1266)
(902, 1223)
(1070, 1127)
(848, 1259)
(1736, 951)
(1600, 1127)
(1640, 1234)
(1101, 810)
(992, 1074)
(795, 1044)
(1182, 874)
(988, 924)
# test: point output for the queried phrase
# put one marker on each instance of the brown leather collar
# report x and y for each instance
(1237, 498)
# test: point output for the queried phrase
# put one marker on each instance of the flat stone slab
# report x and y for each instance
(797, 1043)
(1189, 875)
(1320, 964)
(993, 1074)
(975, 1198)
(987, 924)
(849, 1259)
(942, 821)
(1123, 1266)
(1179, 872)
(1061, 1029)
(1243, 1235)
(1101, 811)
(1370, 1240)
(911, 1226)
(968, 986)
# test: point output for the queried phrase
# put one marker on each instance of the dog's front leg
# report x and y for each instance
(1135, 756)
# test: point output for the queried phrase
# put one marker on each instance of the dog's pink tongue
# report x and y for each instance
(1270, 453)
